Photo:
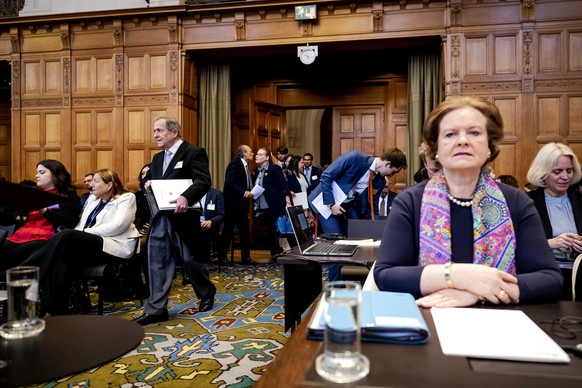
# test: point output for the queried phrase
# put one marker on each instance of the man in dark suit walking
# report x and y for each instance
(237, 201)
(213, 216)
(173, 233)
(312, 173)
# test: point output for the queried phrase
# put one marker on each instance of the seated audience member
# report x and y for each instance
(42, 224)
(430, 165)
(508, 180)
(554, 174)
(382, 202)
(213, 216)
(434, 244)
(105, 234)
(87, 179)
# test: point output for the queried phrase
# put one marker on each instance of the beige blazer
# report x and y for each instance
(114, 223)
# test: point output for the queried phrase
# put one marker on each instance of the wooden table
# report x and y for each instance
(303, 278)
(426, 365)
(68, 345)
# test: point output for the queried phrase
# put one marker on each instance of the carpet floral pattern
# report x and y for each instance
(229, 346)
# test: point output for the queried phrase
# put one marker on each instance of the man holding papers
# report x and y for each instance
(176, 232)
(349, 175)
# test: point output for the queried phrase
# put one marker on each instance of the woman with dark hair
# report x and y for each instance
(142, 214)
(42, 224)
(294, 173)
(105, 234)
(459, 237)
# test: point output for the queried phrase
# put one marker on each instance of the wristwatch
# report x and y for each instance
(330, 206)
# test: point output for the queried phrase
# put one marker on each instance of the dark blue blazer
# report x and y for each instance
(364, 205)
(346, 171)
(540, 203)
(235, 185)
(275, 189)
(215, 197)
(315, 178)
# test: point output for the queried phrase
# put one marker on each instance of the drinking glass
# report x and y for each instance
(341, 360)
(23, 301)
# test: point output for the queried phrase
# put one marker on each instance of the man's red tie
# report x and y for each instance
(371, 192)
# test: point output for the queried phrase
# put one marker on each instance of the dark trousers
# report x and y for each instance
(171, 237)
(60, 261)
(240, 219)
(13, 254)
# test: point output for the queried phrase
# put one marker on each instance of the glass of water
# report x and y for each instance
(23, 303)
(341, 360)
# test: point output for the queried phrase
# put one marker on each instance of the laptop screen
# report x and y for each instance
(300, 227)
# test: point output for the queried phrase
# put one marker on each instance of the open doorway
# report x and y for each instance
(304, 133)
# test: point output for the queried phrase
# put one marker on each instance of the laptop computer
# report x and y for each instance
(307, 246)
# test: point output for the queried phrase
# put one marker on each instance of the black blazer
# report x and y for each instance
(189, 162)
(275, 189)
(540, 204)
(235, 185)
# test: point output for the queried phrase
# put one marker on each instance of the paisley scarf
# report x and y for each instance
(493, 233)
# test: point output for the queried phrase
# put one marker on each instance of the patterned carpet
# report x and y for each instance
(228, 346)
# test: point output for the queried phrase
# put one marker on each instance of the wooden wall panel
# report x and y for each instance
(476, 58)
(505, 55)
(105, 75)
(82, 161)
(575, 116)
(135, 162)
(136, 127)
(105, 129)
(550, 53)
(82, 124)
(31, 159)
(575, 51)
(52, 77)
(31, 130)
(105, 160)
(505, 163)
(136, 73)
(83, 74)
(32, 78)
(508, 107)
(158, 71)
(53, 127)
(346, 145)
(548, 117)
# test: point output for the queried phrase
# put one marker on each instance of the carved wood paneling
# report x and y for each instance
(575, 51)
(476, 56)
(575, 115)
(550, 53)
(548, 117)
(506, 54)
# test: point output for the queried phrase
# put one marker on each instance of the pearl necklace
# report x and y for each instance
(460, 203)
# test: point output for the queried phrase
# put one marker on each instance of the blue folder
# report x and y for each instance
(390, 317)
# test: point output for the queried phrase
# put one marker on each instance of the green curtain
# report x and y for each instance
(214, 118)
(425, 91)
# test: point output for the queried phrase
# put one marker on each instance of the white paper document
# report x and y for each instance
(166, 190)
(257, 191)
(300, 199)
(494, 334)
(338, 198)
(360, 243)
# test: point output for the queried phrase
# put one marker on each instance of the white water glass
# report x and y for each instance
(341, 360)
(23, 303)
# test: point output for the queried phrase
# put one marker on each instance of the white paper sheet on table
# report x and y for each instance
(494, 334)
(360, 243)
(338, 197)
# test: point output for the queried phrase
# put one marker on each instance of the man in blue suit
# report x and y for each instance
(351, 171)
(212, 218)
(276, 197)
